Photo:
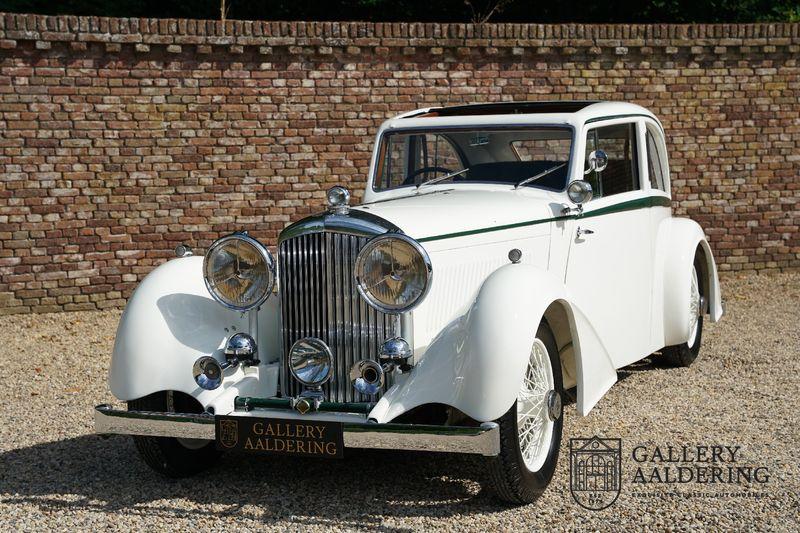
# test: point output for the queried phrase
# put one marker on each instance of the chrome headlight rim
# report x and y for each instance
(360, 266)
(266, 256)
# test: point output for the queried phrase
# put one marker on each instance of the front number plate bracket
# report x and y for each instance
(279, 436)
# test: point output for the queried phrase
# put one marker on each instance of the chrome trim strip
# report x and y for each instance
(153, 424)
(483, 440)
(355, 222)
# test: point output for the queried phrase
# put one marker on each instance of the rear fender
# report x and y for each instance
(681, 238)
(169, 322)
(476, 364)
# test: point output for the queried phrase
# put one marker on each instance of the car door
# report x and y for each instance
(610, 261)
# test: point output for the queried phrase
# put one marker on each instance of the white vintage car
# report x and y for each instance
(504, 254)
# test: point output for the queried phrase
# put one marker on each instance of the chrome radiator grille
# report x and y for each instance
(319, 299)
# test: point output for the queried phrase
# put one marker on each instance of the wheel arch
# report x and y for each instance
(557, 317)
(471, 366)
(169, 322)
(681, 241)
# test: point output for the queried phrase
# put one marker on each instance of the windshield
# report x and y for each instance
(509, 156)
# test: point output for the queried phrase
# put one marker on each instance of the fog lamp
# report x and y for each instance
(241, 348)
(311, 361)
(338, 199)
(395, 350)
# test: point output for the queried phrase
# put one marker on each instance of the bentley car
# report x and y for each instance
(505, 257)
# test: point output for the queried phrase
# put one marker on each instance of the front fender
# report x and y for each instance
(681, 237)
(476, 364)
(169, 322)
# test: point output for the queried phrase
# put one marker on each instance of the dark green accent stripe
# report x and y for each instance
(245, 402)
(415, 429)
(639, 203)
(630, 205)
(494, 228)
(150, 415)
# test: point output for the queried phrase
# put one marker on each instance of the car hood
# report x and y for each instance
(445, 212)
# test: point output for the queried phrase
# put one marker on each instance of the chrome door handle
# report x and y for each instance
(582, 231)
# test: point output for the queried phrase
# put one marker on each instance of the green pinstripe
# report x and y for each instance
(631, 205)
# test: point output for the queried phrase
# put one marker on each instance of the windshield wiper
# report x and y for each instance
(539, 175)
(442, 178)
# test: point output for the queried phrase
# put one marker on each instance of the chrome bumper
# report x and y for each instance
(483, 440)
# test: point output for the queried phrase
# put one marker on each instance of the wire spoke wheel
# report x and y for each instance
(684, 354)
(534, 427)
(694, 308)
(530, 431)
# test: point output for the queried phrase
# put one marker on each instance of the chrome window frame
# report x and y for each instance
(533, 125)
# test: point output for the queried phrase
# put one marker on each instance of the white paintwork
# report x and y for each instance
(477, 361)
(445, 209)
(624, 289)
(609, 276)
(169, 322)
(678, 240)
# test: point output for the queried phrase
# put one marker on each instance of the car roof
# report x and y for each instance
(511, 108)
(566, 112)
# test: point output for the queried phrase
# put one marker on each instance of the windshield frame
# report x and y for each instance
(377, 167)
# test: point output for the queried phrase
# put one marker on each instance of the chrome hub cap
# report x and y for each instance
(553, 405)
(694, 308)
(538, 406)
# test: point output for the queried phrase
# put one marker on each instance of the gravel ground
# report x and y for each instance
(743, 391)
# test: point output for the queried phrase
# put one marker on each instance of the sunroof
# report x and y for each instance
(511, 108)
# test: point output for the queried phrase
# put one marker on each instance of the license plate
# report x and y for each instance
(311, 438)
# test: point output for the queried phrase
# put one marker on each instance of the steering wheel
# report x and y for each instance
(410, 179)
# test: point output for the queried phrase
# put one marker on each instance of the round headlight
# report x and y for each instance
(393, 273)
(311, 361)
(239, 272)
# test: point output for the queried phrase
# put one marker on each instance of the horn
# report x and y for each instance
(207, 373)
(367, 376)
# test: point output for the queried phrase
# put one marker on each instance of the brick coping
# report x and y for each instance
(64, 28)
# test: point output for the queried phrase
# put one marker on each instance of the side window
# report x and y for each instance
(656, 163)
(622, 172)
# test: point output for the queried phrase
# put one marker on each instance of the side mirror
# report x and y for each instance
(579, 192)
(597, 161)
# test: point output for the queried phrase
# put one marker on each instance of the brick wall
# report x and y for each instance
(120, 138)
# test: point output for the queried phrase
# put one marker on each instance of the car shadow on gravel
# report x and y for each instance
(106, 475)
(653, 362)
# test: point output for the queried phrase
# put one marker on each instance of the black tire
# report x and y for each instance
(683, 355)
(167, 455)
(510, 478)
